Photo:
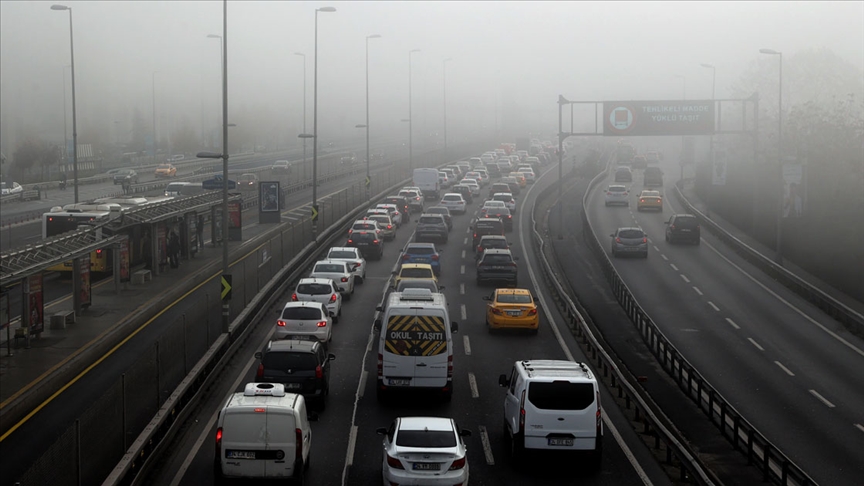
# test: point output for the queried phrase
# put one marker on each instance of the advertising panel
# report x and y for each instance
(35, 309)
(646, 118)
(269, 197)
(124, 261)
(235, 221)
(85, 294)
(794, 190)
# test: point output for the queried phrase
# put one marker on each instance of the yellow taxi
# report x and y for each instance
(650, 200)
(166, 170)
(512, 308)
(410, 271)
(520, 178)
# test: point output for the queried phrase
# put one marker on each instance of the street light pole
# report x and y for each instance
(226, 304)
(74, 118)
(713, 148)
(65, 129)
(221, 52)
(410, 118)
(153, 95)
(315, 124)
(304, 109)
(445, 107)
(368, 174)
(778, 255)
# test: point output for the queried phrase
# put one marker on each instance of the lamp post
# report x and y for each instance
(153, 95)
(304, 109)
(65, 117)
(410, 117)
(683, 85)
(445, 106)
(368, 174)
(74, 118)
(221, 49)
(713, 148)
(315, 124)
(778, 255)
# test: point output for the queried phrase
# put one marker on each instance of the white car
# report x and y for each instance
(490, 206)
(507, 199)
(319, 290)
(424, 450)
(395, 215)
(281, 166)
(351, 255)
(617, 194)
(300, 320)
(339, 272)
(529, 175)
(364, 225)
(476, 176)
(472, 183)
(454, 202)
(10, 188)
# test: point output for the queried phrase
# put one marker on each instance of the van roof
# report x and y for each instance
(551, 368)
(412, 297)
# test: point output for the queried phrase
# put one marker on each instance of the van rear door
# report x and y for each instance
(430, 367)
(400, 351)
(560, 414)
(281, 441)
(243, 442)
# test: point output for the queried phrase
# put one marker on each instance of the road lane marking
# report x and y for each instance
(462, 270)
(463, 253)
(472, 383)
(467, 344)
(352, 443)
(732, 323)
(787, 370)
(462, 288)
(487, 446)
(464, 314)
(754, 343)
(696, 289)
(713, 306)
(655, 247)
(821, 398)
(685, 278)
(664, 257)
(349, 458)
(363, 378)
(860, 427)
(673, 267)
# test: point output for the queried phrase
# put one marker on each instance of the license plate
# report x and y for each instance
(292, 386)
(514, 313)
(400, 382)
(556, 441)
(241, 454)
(426, 466)
(298, 337)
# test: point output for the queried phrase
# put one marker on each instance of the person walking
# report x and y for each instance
(174, 249)
(200, 230)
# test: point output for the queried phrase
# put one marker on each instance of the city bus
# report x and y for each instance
(70, 218)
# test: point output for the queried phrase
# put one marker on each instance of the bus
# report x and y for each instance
(70, 218)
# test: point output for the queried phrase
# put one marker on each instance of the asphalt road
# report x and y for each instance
(346, 449)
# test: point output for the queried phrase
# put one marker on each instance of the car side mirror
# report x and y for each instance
(440, 288)
(331, 357)
(613, 234)
(332, 314)
(486, 297)
(379, 308)
(454, 326)
(666, 222)
(258, 355)
(503, 381)
(377, 324)
(465, 433)
(381, 431)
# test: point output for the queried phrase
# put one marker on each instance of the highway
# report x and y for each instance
(346, 449)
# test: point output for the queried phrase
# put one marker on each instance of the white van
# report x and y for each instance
(415, 347)
(263, 432)
(427, 180)
(174, 188)
(552, 405)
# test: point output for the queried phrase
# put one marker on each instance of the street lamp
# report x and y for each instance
(778, 256)
(445, 105)
(315, 124)
(683, 85)
(74, 118)
(304, 109)
(153, 94)
(366, 126)
(65, 118)
(410, 117)
(713, 149)
(221, 48)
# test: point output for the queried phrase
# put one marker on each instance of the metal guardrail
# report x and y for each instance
(760, 452)
(852, 320)
(26, 195)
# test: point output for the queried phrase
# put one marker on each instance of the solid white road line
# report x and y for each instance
(363, 377)
(627, 452)
(860, 427)
(787, 370)
(732, 323)
(467, 344)
(487, 446)
(684, 277)
(673, 267)
(713, 306)
(472, 383)
(462, 289)
(349, 455)
(696, 289)
(352, 443)
(754, 343)
(821, 398)
(464, 313)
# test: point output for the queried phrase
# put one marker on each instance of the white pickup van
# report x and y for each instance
(415, 348)
(263, 432)
(427, 180)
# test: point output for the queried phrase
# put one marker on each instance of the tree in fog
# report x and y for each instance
(34, 157)
(184, 140)
(140, 131)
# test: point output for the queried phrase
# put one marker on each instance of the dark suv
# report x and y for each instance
(683, 227)
(431, 227)
(486, 226)
(497, 265)
(125, 175)
(302, 366)
(401, 202)
(369, 244)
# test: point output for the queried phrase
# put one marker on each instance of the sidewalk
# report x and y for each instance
(688, 190)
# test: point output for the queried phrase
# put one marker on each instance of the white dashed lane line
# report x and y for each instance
(465, 241)
(463, 253)
(467, 344)
(713, 306)
(462, 269)
(464, 313)
(821, 398)
(754, 343)
(787, 370)
(860, 427)
(732, 323)
(696, 289)
(487, 446)
(673, 267)
(472, 382)
(462, 289)
(664, 257)
(684, 277)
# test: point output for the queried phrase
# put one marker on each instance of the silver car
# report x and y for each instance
(351, 255)
(299, 320)
(319, 290)
(617, 194)
(339, 272)
(629, 241)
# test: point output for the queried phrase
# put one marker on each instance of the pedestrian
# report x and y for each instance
(62, 181)
(125, 185)
(174, 249)
(200, 230)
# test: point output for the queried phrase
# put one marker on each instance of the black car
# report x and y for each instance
(683, 227)
(431, 227)
(486, 226)
(369, 244)
(443, 211)
(303, 366)
(465, 191)
(491, 242)
(501, 213)
(401, 202)
(125, 175)
(497, 265)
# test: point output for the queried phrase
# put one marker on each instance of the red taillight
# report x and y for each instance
(479, 249)
(434, 258)
(644, 240)
(260, 372)
(99, 252)
(458, 464)
(532, 312)
(298, 452)
(672, 226)
(450, 367)
(322, 324)
(393, 462)
(375, 242)
(344, 279)
(219, 442)
(509, 216)
(617, 240)
(350, 241)
(405, 257)
(522, 413)
(332, 297)
(497, 311)
(319, 372)
(294, 297)
(350, 231)
(280, 323)
(641, 200)
(389, 226)
(380, 365)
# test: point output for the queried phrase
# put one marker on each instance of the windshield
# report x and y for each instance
(416, 273)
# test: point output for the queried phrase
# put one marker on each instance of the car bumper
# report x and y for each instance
(405, 477)
(322, 336)
(504, 322)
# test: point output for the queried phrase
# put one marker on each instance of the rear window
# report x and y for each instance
(361, 226)
(380, 218)
(341, 254)
(561, 395)
(497, 259)
(314, 289)
(617, 189)
(514, 298)
(631, 234)
(242, 426)
(329, 268)
(452, 198)
(416, 273)
(301, 313)
(430, 220)
(289, 361)
(488, 226)
(496, 243)
(686, 222)
(420, 250)
(426, 438)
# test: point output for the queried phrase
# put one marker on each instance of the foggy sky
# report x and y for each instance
(506, 56)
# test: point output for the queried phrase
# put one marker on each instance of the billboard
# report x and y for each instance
(646, 118)
(794, 190)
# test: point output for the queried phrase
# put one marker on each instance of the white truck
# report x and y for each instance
(427, 180)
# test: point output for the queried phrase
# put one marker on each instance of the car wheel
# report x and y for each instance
(360, 280)
(347, 296)
(299, 478)
(535, 331)
(668, 239)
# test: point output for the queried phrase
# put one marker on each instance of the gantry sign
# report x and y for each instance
(645, 118)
